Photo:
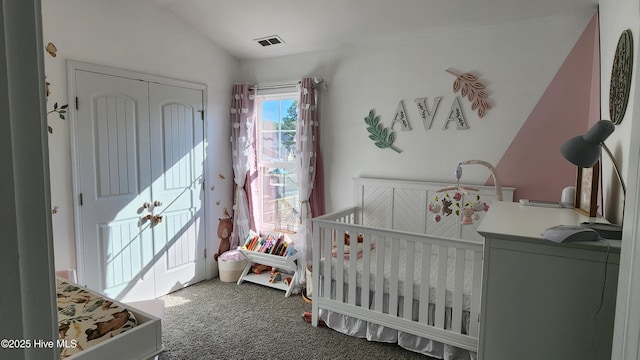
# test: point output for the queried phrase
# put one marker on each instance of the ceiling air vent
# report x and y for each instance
(269, 40)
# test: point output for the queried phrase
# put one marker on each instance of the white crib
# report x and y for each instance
(415, 278)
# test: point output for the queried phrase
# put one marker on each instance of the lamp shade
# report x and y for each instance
(584, 150)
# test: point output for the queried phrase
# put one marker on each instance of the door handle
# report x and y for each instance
(155, 219)
(144, 219)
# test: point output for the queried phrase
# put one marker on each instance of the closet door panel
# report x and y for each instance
(114, 180)
(177, 170)
(115, 121)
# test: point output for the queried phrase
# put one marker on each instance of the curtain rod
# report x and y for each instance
(269, 87)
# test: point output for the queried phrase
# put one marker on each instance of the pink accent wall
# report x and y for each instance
(533, 163)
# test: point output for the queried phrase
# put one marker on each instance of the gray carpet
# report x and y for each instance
(217, 320)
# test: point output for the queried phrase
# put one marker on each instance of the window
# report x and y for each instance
(277, 122)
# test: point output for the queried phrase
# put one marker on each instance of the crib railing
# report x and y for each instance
(417, 251)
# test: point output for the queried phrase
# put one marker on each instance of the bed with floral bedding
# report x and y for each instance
(92, 326)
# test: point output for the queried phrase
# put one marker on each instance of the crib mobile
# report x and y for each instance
(446, 204)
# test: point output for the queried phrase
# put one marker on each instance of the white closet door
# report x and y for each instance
(138, 143)
(177, 169)
(114, 182)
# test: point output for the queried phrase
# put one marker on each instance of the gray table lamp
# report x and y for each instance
(584, 151)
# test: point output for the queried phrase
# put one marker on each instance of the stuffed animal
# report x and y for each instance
(435, 208)
(467, 215)
(446, 207)
(225, 226)
(347, 238)
(275, 277)
(481, 206)
(259, 268)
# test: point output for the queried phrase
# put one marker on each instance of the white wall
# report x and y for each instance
(134, 35)
(516, 61)
(615, 17)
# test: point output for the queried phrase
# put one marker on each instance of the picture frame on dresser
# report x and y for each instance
(587, 190)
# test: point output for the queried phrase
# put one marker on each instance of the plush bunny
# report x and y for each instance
(435, 208)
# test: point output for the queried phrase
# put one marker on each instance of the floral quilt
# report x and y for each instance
(86, 318)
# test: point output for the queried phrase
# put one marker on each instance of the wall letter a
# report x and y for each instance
(426, 114)
(401, 117)
(456, 115)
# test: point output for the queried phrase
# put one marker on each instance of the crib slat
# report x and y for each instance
(407, 291)
(366, 269)
(393, 281)
(317, 244)
(425, 283)
(380, 252)
(476, 291)
(353, 266)
(441, 287)
(340, 266)
(456, 309)
(326, 246)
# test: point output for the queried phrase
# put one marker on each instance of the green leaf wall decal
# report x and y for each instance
(382, 136)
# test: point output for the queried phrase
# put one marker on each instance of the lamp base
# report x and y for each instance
(607, 231)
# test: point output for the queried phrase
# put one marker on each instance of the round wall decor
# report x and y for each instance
(621, 77)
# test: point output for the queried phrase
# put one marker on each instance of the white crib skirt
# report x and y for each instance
(351, 326)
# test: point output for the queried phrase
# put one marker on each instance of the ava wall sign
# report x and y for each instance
(467, 84)
(621, 77)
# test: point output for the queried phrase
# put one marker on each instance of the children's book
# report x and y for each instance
(276, 246)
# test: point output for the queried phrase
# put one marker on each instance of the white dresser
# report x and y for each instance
(542, 300)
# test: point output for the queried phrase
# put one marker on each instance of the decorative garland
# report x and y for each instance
(383, 137)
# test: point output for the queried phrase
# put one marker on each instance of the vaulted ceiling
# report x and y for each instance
(309, 25)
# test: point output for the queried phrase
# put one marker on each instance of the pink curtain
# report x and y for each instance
(317, 194)
(307, 154)
(251, 187)
(242, 145)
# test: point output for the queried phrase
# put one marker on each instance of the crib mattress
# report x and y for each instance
(86, 318)
(468, 274)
